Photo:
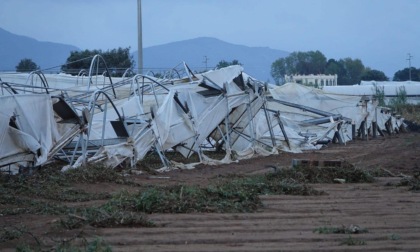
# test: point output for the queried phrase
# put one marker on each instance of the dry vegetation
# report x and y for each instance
(50, 192)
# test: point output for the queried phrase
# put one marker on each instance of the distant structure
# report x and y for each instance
(319, 80)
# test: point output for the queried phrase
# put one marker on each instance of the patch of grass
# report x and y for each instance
(378, 172)
(186, 199)
(95, 173)
(226, 194)
(413, 183)
(78, 195)
(325, 174)
(352, 229)
(394, 237)
(104, 217)
(10, 233)
(32, 206)
(33, 194)
(47, 184)
(327, 230)
(96, 245)
(350, 241)
(232, 194)
(26, 248)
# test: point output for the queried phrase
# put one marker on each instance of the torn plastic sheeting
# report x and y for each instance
(168, 124)
(217, 78)
(34, 117)
(347, 106)
(25, 141)
(206, 114)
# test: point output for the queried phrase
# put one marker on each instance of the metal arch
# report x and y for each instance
(82, 72)
(41, 77)
(186, 70)
(151, 85)
(126, 72)
(91, 108)
(94, 97)
(176, 71)
(96, 59)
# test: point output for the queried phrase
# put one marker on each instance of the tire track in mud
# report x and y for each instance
(287, 223)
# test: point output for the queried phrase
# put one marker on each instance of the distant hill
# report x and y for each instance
(255, 60)
(14, 47)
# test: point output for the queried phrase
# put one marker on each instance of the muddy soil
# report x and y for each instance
(390, 214)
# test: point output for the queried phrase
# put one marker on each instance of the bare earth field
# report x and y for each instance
(381, 215)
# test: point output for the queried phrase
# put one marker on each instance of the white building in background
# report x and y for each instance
(319, 80)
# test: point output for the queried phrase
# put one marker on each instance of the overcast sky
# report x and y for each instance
(379, 32)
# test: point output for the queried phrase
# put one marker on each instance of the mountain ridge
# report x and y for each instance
(255, 60)
(17, 47)
(200, 54)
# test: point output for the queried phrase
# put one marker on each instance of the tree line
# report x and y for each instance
(115, 60)
(349, 71)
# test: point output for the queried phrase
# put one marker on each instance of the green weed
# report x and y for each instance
(352, 229)
(350, 241)
(394, 237)
(413, 183)
(10, 233)
(232, 194)
(97, 245)
(104, 216)
(304, 174)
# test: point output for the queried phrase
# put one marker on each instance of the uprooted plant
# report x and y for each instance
(225, 195)
(413, 183)
(351, 241)
(105, 216)
(305, 174)
(352, 229)
(234, 193)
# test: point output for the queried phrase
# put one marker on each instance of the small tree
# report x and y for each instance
(278, 70)
(404, 74)
(400, 100)
(26, 65)
(380, 94)
(117, 60)
(353, 69)
(373, 75)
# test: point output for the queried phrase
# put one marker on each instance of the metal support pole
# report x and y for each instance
(375, 129)
(365, 130)
(277, 115)
(270, 128)
(251, 121)
(140, 39)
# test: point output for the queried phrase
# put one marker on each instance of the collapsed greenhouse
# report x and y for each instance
(91, 118)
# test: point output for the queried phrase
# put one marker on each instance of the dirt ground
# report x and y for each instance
(391, 214)
(399, 154)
